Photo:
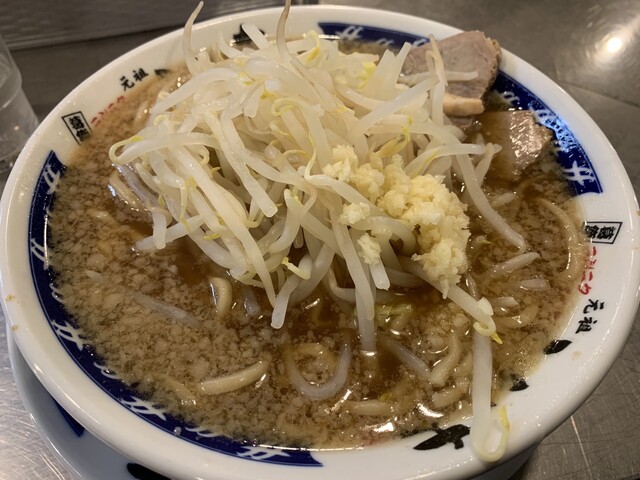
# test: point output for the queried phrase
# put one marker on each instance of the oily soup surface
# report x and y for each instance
(92, 230)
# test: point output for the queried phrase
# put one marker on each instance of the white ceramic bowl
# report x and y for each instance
(63, 362)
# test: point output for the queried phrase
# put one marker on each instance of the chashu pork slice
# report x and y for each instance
(523, 141)
(464, 52)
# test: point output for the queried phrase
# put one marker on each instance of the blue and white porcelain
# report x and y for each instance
(66, 364)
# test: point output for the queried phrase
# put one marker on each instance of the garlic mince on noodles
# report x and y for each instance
(294, 216)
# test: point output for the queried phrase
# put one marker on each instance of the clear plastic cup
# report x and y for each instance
(17, 119)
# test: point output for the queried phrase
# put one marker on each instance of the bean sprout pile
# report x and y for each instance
(289, 163)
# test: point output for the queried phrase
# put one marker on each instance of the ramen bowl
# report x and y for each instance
(66, 364)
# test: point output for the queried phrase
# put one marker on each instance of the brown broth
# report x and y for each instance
(93, 230)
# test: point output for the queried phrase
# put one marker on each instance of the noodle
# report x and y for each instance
(370, 408)
(444, 368)
(234, 381)
(331, 387)
(222, 295)
(572, 237)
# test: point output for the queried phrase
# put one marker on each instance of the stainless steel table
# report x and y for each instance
(590, 47)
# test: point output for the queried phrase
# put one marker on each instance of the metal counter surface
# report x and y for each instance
(591, 48)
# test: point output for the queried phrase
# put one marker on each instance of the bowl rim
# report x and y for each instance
(94, 412)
